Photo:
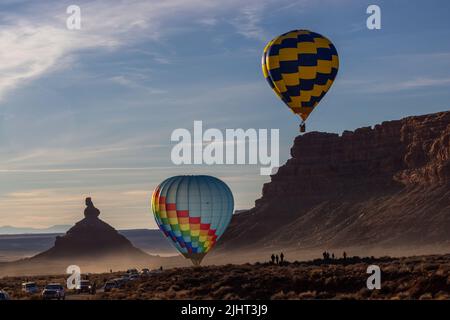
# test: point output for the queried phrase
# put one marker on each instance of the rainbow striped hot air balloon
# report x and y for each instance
(300, 67)
(193, 212)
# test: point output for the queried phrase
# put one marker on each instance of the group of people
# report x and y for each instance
(327, 256)
(277, 259)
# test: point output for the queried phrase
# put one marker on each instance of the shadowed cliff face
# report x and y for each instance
(388, 185)
(91, 237)
(91, 244)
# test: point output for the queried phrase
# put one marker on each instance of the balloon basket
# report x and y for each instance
(302, 127)
(196, 258)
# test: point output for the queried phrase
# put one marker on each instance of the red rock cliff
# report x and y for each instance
(387, 185)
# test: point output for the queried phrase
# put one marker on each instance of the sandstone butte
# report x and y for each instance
(383, 186)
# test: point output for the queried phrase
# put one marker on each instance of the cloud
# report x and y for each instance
(441, 57)
(374, 86)
(128, 81)
(123, 80)
(36, 44)
(43, 157)
(46, 207)
(416, 83)
(136, 192)
(54, 160)
(209, 21)
(31, 48)
(421, 82)
(29, 51)
(68, 170)
(248, 22)
(62, 202)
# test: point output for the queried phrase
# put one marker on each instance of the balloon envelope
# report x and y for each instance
(300, 66)
(193, 212)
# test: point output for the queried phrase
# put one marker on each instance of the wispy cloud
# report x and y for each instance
(28, 51)
(208, 21)
(59, 155)
(416, 57)
(65, 206)
(131, 82)
(248, 21)
(421, 82)
(35, 44)
(67, 170)
(374, 86)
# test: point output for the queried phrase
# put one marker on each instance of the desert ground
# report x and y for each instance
(419, 277)
(101, 264)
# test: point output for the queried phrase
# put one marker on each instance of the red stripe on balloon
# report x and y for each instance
(171, 206)
(204, 226)
(194, 220)
(183, 213)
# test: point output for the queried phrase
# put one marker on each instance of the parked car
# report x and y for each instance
(133, 277)
(4, 295)
(122, 281)
(132, 271)
(125, 277)
(30, 287)
(145, 271)
(109, 285)
(85, 287)
(112, 284)
(54, 291)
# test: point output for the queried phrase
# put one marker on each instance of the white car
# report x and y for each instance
(30, 287)
(54, 291)
(4, 295)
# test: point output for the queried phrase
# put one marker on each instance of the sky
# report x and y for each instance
(90, 112)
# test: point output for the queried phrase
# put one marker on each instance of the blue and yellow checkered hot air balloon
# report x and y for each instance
(300, 66)
(193, 213)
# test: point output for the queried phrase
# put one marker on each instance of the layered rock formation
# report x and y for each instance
(92, 237)
(387, 185)
(91, 244)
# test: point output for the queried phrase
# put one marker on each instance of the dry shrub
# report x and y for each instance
(403, 278)
(307, 295)
(426, 296)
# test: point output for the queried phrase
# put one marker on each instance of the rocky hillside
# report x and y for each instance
(93, 245)
(388, 185)
(91, 237)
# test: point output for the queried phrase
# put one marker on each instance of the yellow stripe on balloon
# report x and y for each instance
(291, 79)
(306, 47)
(307, 72)
(288, 54)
